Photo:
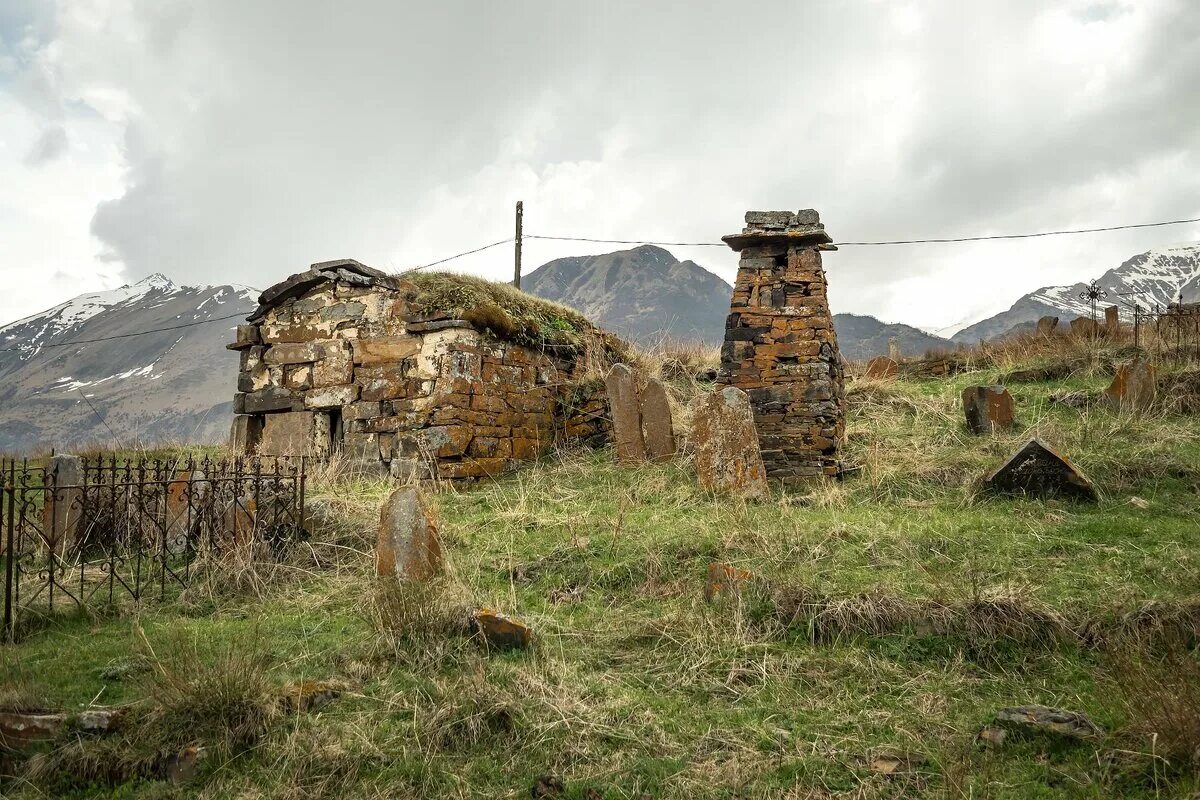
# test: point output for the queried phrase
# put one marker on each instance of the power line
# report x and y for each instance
(1024, 235)
(886, 242)
(458, 255)
(626, 241)
(240, 314)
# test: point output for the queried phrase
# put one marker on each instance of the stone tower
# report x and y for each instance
(780, 346)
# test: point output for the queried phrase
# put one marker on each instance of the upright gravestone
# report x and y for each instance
(725, 442)
(1134, 387)
(658, 430)
(881, 368)
(988, 408)
(408, 545)
(63, 509)
(626, 414)
(1112, 319)
(1085, 327)
(1046, 326)
(780, 346)
(893, 348)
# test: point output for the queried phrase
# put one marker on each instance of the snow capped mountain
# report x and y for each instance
(139, 364)
(1158, 276)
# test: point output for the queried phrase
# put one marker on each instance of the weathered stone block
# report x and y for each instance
(881, 368)
(331, 396)
(501, 631)
(247, 336)
(1046, 326)
(658, 429)
(988, 409)
(408, 546)
(385, 350)
(270, 399)
(246, 434)
(626, 414)
(1134, 388)
(1038, 470)
(293, 353)
(287, 434)
(727, 454)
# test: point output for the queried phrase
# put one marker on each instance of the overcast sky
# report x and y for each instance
(239, 141)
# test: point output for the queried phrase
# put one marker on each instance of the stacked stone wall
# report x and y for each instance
(359, 368)
(780, 346)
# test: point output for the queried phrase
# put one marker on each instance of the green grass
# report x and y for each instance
(637, 687)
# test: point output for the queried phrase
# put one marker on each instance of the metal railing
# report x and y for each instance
(79, 531)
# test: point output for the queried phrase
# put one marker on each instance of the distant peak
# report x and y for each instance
(155, 281)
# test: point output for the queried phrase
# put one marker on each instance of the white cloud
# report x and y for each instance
(232, 141)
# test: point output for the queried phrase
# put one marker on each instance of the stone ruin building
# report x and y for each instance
(780, 346)
(432, 380)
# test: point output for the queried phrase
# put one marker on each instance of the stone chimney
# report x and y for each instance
(780, 346)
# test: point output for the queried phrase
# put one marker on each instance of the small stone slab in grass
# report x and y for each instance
(1037, 470)
(19, 729)
(988, 409)
(1043, 719)
(408, 546)
(895, 762)
(723, 579)
(309, 695)
(500, 630)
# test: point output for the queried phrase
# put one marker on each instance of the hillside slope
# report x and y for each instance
(74, 375)
(1160, 275)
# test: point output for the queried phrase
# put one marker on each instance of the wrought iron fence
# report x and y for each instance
(98, 530)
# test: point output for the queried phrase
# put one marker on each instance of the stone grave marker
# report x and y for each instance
(1134, 388)
(1112, 319)
(626, 414)
(1046, 326)
(882, 367)
(1037, 470)
(988, 408)
(408, 547)
(658, 430)
(725, 441)
(63, 507)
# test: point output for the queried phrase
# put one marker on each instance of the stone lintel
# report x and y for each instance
(813, 237)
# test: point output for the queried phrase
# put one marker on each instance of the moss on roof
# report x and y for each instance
(506, 311)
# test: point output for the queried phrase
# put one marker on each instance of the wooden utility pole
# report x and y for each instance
(517, 246)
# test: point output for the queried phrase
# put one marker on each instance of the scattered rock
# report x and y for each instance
(988, 408)
(991, 736)
(1064, 397)
(658, 431)
(547, 786)
(1138, 502)
(727, 454)
(1038, 470)
(723, 578)
(882, 367)
(408, 546)
(309, 695)
(1049, 372)
(181, 767)
(894, 762)
(1046, 326)
(626, 414)
(1134, 388)
(500, 630)
(99, 720)
(1085, 327)
(1070, 724)
(19, 729)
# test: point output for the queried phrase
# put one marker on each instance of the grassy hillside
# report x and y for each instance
(891, 615)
